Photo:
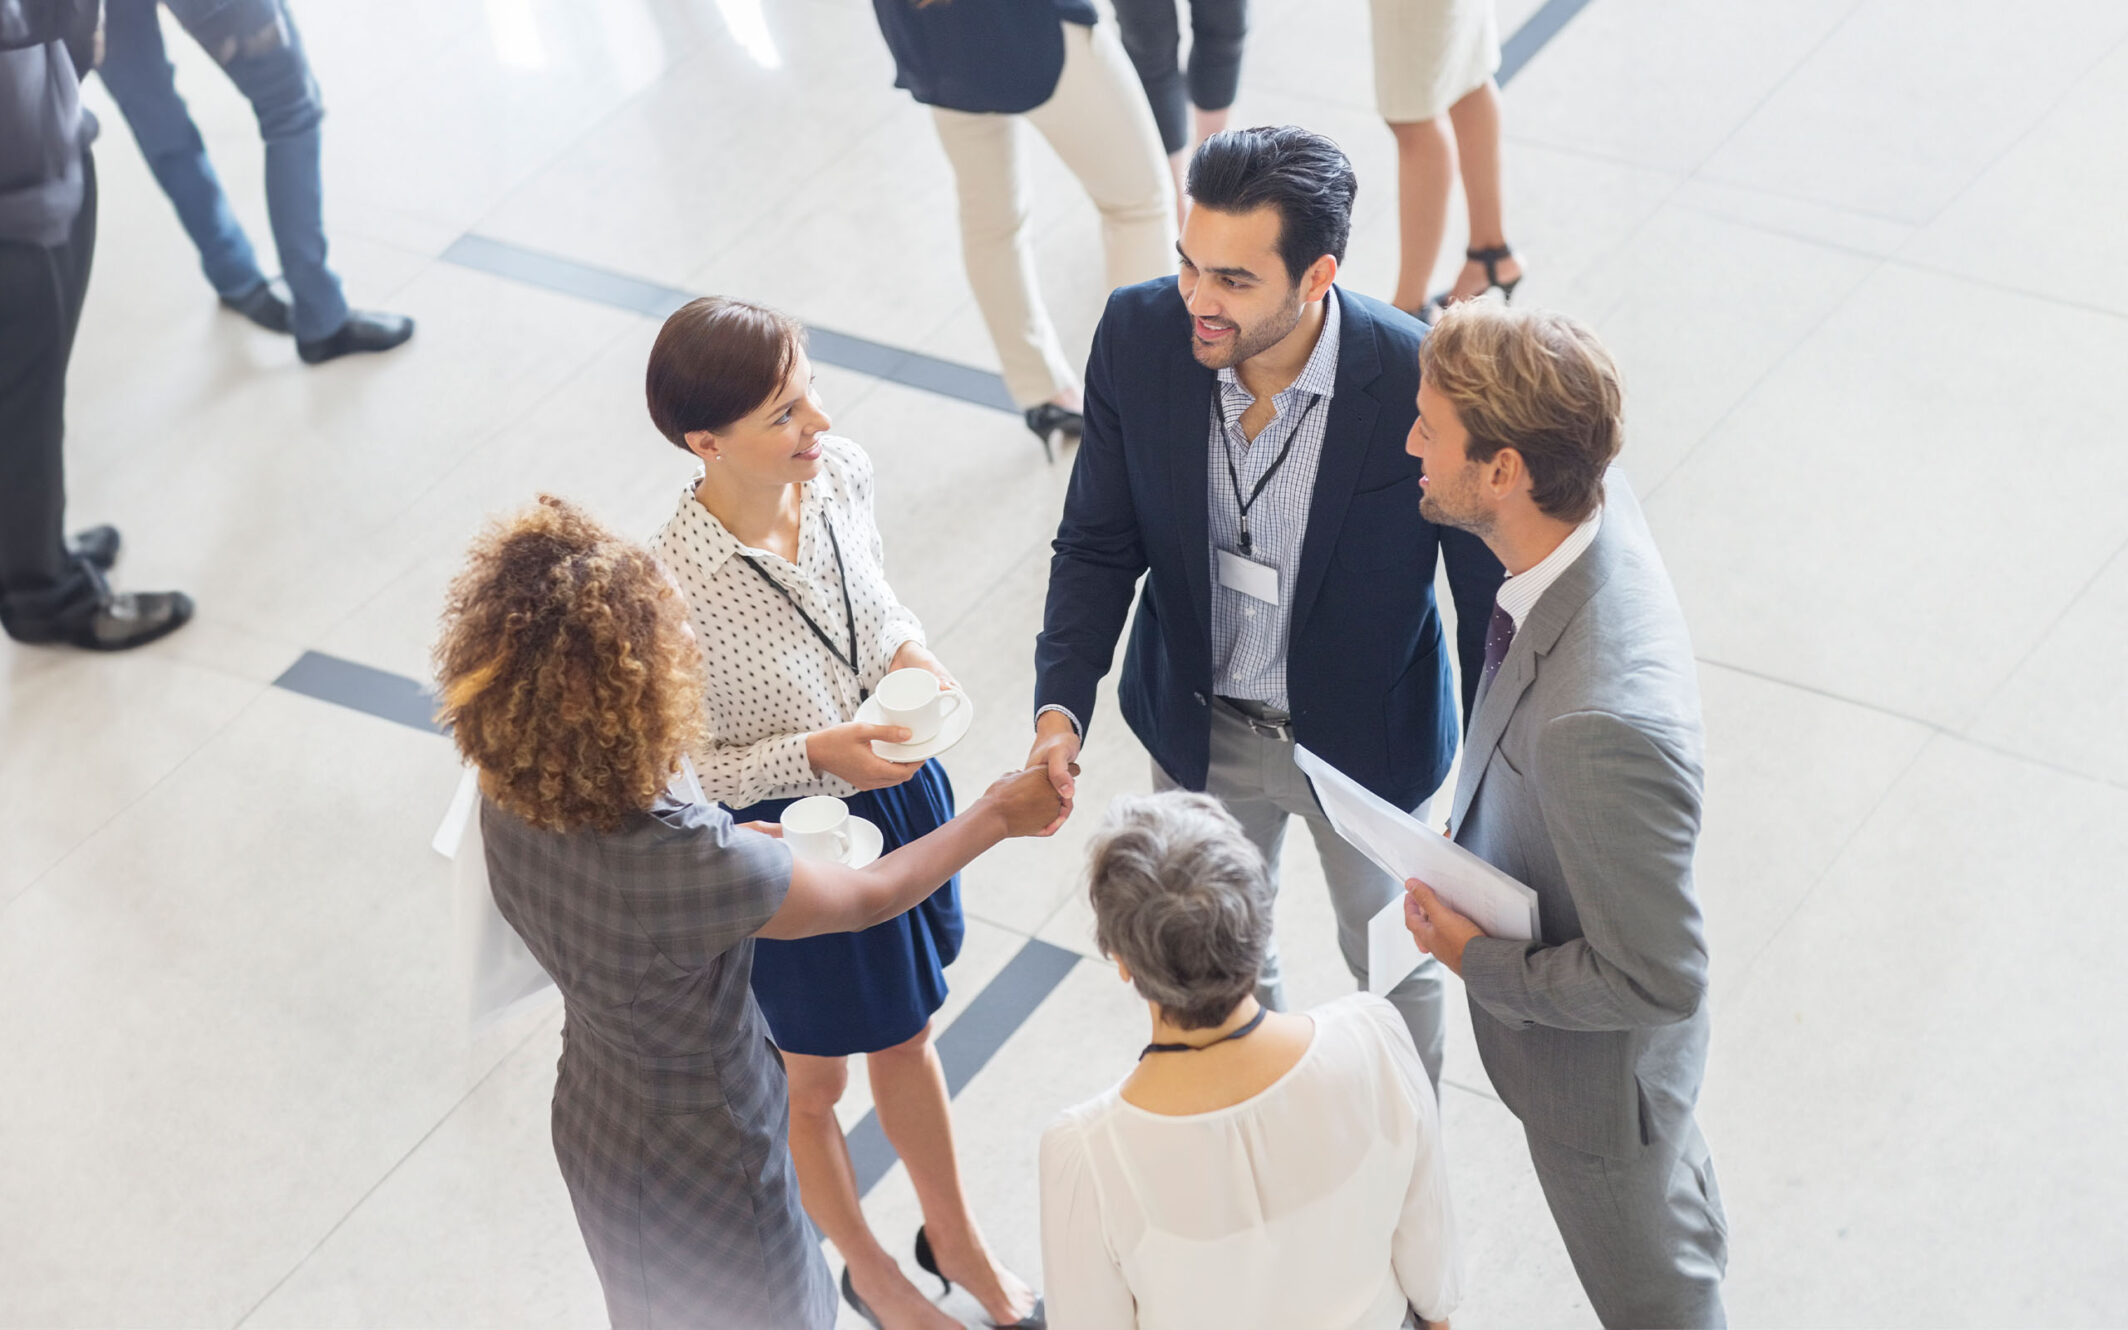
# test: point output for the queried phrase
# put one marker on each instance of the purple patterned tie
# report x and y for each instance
(1499, 635)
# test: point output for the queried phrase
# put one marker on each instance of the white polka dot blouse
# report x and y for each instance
(771, 682)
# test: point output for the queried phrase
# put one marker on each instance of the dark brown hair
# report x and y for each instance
(566, 670)
(715, 362)
(1537, 382)
(1304, 176)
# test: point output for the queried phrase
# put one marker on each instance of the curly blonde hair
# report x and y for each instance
(566, 670)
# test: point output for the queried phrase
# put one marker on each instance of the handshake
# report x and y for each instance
(1036, 799)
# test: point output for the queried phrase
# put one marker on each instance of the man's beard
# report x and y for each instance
(1462, 518)
(1248, 342)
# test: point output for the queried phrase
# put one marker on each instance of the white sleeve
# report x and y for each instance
(739, 775)
(1084, 1286)
(1425, 1250)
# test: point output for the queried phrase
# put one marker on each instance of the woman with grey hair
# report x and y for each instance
(1256, 1169)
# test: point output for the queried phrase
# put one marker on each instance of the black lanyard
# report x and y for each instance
(1226, 446)
(849, 616)
(1254, 1021)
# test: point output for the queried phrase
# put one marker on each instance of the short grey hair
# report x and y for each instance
(1183, 899)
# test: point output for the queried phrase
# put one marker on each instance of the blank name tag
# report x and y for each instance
(1258, 581)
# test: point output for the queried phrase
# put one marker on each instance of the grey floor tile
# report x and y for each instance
(2067, 704)
(1825, 533)
(1921, 1047)
(2041, 218)
(1863, 124)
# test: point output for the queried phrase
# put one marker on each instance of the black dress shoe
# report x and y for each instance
(262, 304)
(124, 620)
(97, 546)
(363, 331)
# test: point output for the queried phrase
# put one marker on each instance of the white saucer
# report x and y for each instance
(952, 732)
(866, 842)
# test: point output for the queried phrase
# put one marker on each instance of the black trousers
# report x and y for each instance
(1153, 37)
(41, 291)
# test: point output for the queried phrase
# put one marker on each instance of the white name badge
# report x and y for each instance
(1258, 581)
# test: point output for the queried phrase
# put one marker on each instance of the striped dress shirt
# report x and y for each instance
(1248, 636)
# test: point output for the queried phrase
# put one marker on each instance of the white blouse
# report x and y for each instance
(770, 681)
(1320, 1203)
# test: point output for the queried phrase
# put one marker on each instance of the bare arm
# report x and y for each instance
(828, 898)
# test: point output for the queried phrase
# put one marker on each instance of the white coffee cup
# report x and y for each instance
(818, 828)
(913, 700)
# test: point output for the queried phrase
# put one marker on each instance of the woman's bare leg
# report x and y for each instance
(1426, 168)
(1476, 117)
(909, 1094)
(827, 1184)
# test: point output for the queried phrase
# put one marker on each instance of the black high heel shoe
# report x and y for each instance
(1049, 420)
(1491, 258)
(1037, 1319)
(857, 1304)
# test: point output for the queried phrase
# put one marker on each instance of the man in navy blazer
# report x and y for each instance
(1244, 451)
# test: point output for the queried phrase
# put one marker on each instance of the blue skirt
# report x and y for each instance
(844, 993)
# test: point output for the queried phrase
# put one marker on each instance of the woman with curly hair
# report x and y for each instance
(775, 545)
(571, 679)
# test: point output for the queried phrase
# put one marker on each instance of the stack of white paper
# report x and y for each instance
(1404, 847)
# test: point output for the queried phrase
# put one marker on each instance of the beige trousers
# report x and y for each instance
(1101, 126)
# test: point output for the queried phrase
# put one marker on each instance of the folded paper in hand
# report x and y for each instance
(1404, 847)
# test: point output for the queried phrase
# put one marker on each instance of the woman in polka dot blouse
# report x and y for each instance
(778, 552)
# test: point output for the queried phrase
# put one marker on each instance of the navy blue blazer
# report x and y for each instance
(1367, 673)
(1000, 56)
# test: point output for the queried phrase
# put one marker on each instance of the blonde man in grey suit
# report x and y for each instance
(1581, 777)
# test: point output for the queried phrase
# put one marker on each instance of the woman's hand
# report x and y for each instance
(915, 655)
(1026, 799)
(846, 751)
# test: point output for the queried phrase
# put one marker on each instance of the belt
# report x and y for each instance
(1261, 717)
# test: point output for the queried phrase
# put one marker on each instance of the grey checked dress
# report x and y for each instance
(670, 1107)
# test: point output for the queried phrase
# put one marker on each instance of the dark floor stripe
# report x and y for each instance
(911, 369)
(362, 688)
(1531, 37)
(969, 1043)
(567, 276)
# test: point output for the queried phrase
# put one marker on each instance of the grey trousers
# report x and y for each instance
(1647, 1235)
(1254, 775)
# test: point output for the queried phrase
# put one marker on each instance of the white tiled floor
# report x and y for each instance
(1859, 259)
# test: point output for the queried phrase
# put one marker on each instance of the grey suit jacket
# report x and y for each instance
(1582, 777)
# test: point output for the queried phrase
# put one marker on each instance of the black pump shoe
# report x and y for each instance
(1037, 1319)
(857, 1304)
(1049, 420)
(1491, 258)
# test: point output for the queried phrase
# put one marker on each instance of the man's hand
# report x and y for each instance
(1438, 930)
(1026, 800)
(846, 751)
(1056, 747)
(914, 655)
